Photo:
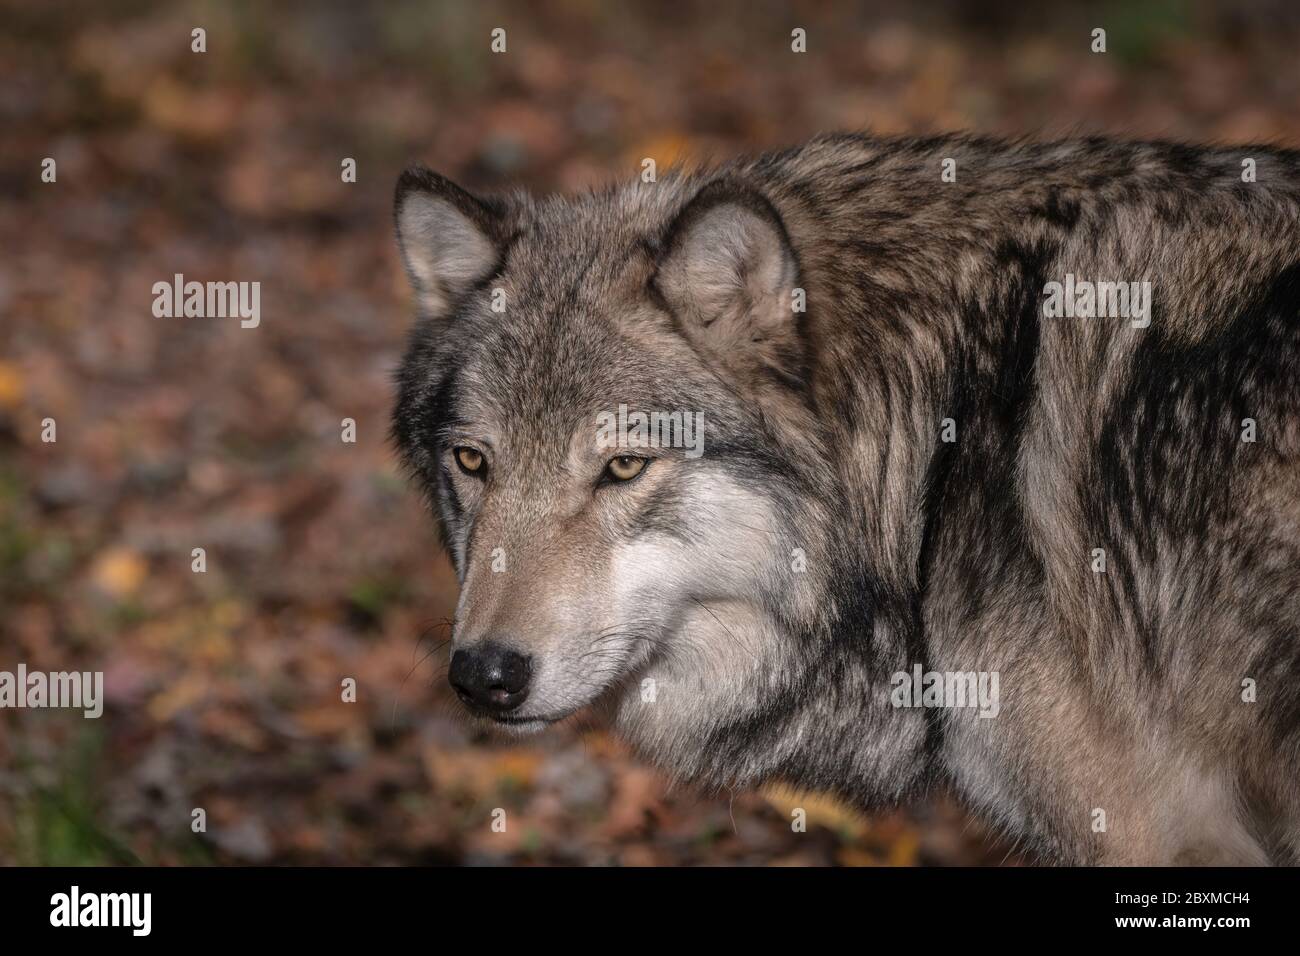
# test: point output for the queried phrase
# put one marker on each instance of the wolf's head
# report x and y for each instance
(653, 564)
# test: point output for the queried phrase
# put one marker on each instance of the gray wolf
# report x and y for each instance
(916, 459)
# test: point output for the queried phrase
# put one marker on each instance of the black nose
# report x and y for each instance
(490, 677)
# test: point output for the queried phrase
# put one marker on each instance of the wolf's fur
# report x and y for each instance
(1121, 691)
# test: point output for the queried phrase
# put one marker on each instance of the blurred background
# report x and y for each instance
(223, 688)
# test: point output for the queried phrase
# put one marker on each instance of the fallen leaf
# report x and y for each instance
(119, 572)
(11, 385)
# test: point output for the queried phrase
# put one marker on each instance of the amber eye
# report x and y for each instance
(625, 467)
(470, 460)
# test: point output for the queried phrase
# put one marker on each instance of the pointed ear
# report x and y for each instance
(727, 271)
(450, 240)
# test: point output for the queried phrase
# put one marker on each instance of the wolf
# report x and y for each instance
(909, 465)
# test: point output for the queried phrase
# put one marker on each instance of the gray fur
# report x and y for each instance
(1120, 691)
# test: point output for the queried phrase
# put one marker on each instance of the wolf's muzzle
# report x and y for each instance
(490, 677)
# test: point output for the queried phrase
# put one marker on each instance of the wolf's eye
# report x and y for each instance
(470, 460)
(625, 467)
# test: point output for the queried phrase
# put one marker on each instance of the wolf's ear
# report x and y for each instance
(728, 272)
(450, 240)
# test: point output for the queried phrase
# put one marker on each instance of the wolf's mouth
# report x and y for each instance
(546, 719)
